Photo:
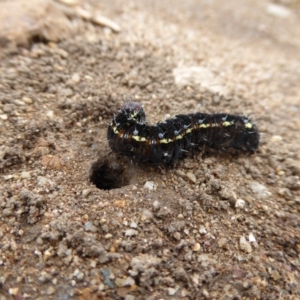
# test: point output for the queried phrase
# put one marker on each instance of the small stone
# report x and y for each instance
(48, 253)
(205, 293)
(252, 238)
(172, 291)
(80, 276)
(133, 225)
(108, 236)
(259, 189)
(275, 275)
(150, 185)
(3, 117)
(196, 247)
(146, 214)
(103, 21)
(276, 138)
(13, 291)
(27, 100)
(129, 281)
(69, 2)
(83, 13)
(86, 192)
(75, 78)
(88, 226)
(25, 175)
(278, 10)
(120, 203)
(19, 102)
(180, 173)
(129, 297)
(244, 245)
(130, 232)
(50, 114)
(156, 204)
(177, 236)
(50, 290)
(67, 92)
(202, 258)
(222, 242)
(191, 177)
(202, 230)
(240, 203)
(45, 277)
(93, 263)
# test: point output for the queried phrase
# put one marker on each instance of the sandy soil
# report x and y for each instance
(213, 226)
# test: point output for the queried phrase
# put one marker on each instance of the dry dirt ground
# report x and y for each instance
(214, 225)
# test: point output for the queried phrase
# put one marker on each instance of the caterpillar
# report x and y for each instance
(167, 141)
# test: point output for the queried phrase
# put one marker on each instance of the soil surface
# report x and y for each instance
(78, 221)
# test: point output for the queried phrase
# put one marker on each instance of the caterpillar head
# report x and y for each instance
(134, 112)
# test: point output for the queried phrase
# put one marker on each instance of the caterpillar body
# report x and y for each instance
(167, 141)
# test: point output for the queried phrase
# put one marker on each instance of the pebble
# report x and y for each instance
(3, 117)
(156, 204)
(240, 203)
(25, 175)
(259, 189)
(50, 290)
(275, 275)
(191, 177)
(278, 10)
(222, 242)
(75, 78)
(177, 236)
(86, 192)
(45, 277)
(133, 225)
(13, 291)
(202, 230)
(150, 185)
(252, 238)
(276, 138)
(146, 214)
(172, 291)
(19, 102)
(196, 247)
(50, 114)
(103, 21)
(27, 100)
(128, 281)
(69, 2)
(129, 297)
(130, 232)
(88, 226)
(180, 173)
(83, 13)
(202, 258)
(244, 245)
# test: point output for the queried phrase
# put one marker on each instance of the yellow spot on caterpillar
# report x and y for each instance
(189, 130)
(204, 125)
(139, 138)
(165, 141)
(179, 137)
(227, 123)
(115, 130)
(248, 125)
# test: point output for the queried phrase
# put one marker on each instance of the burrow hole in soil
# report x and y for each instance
(107, 176)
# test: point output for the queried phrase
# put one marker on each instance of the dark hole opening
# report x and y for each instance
(108, 176)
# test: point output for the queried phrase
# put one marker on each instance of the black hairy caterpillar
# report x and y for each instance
(165, 142)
